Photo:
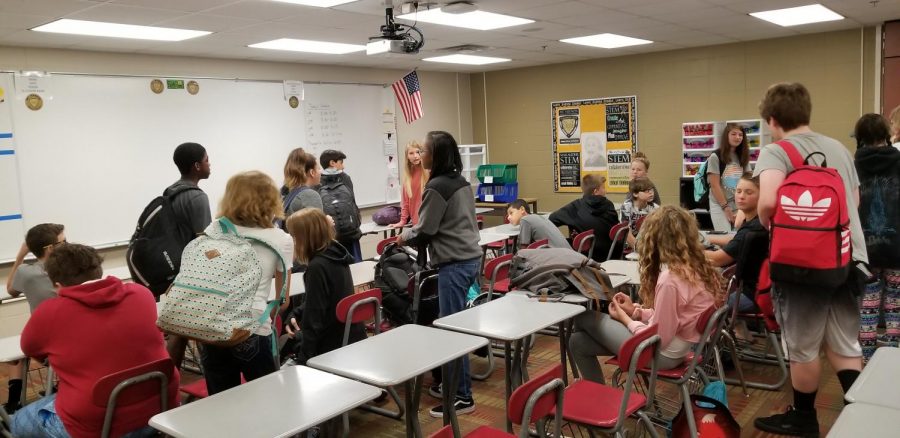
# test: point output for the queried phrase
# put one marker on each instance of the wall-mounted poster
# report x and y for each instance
(593, 136)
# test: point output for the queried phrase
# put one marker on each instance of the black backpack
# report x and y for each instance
(338, 202)
(154, 252)
(392, 273)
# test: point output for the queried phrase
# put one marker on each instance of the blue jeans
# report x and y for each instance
(39, 420)
(746, 305)
(223, 367)
(454, 280)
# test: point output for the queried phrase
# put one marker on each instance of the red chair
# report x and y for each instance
(479, 220)
(538, 244)
(496, 271)
(617, 235)
(131, 386)
(605, 408)
(380, 247)
(355, 309)
(584, 243)
(530, 403)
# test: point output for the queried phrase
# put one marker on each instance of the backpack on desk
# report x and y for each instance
(211, 299)
(810, 241)
(338, 202)
(154, 251)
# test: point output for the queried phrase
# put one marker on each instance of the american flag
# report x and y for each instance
(410, 97)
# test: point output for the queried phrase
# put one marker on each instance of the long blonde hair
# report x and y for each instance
(251, 200)
(410, 167)
(311, 232)
(669, 236)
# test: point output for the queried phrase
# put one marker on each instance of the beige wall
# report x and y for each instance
(698, 84)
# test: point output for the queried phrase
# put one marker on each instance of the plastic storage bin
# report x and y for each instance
(498, 173)
(498, 192)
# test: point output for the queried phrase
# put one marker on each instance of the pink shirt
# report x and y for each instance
(409, 204)
(677, 306)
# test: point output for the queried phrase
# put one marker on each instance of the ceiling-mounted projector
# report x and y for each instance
(395, 37)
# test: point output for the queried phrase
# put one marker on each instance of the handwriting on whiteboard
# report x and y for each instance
(323, 127)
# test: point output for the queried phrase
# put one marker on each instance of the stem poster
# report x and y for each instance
(593, 136)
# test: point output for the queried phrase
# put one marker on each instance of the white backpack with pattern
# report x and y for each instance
(211, 299)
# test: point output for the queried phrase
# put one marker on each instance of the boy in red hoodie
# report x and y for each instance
(94, 327)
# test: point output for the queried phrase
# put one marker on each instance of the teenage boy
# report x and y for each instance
(347, 218)
(32, 281)
(638, 207)
(533, 227)
(811, 319)
(94, 328)
(192, 209)
(591, 212)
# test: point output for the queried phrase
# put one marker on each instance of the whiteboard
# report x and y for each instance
(101, 147)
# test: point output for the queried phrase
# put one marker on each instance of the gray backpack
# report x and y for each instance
(559, 270)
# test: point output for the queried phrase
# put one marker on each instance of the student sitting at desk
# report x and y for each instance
(414, 180)
(32, 281)
(638, 207)
(327, 280)
(592, 212)
(673, 298)
(533, 227)
(95, 327)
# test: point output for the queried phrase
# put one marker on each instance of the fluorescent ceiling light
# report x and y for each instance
(478, 20)
(814, 13)
(606, 41)
(467, 59)
(317, 3)
(309, 46)
(116, 30)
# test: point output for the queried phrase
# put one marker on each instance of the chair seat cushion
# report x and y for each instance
(502, 286)
(488, 432)
(597, 405)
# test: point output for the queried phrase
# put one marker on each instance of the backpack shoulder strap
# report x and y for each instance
(792, 153)
(293, 195)
(721, 163)
(171, 196)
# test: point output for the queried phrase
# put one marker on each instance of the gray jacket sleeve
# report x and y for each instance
(430, 214)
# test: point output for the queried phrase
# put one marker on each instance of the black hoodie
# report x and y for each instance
(327, 281)
(591, 212)
(879, 203)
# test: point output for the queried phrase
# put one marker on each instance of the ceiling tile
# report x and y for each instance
(126, 15)
(212, 23)
(177, 5)
(560, 10)
(50, 8)
(259, 9)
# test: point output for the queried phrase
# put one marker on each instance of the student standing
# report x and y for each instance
(301, 174)
(327, 280)
(339, 201)
(413, 184)
(251, 202)
(673, 297)
(191, 207)
(447, 224)
(95, 327)
(809, 316)
(878, 165)
(640, 168)
(724, 168)
(593, 211)
(533, 227)
(32, 281)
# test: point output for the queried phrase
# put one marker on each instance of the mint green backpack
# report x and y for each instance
(211, 298)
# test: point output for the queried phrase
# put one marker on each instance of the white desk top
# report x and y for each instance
(398, 355)
(626, 267)
(373, 228)
(488, 238)
(568, 299)
(120, 272)
(508, 319)
(280, 404)
(480, 210)
(10, 348)
(862, 419)
(505, 229)
(362, 273)
(632, 256)
(878, 383)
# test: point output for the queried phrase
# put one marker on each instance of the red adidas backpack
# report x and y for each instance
(810, 241)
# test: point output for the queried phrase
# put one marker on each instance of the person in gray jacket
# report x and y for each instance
(447, 225)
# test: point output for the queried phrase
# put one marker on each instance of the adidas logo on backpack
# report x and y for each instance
(810, 241)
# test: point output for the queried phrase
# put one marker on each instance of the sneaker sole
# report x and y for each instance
(435, 394)
(460, 411)
(779, 431)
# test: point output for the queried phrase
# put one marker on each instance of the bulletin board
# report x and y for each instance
(593, 136)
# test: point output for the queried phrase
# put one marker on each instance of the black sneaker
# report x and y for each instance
(11, 408)
(792, 422)
(463, 406)
(435, 391)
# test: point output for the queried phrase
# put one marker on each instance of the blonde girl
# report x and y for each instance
(414, 179)
(640, 168)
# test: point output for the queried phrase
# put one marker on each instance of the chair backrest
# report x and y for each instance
(133, 385)
(583, 241)
(357, 308)
(709, 325)
(617, 236)
(626, 351)
(616, 233)
(636, 353)
(380, 247)
(638, 223)
(497, 268)
(537, 244)
(479, 220)
(537, 398)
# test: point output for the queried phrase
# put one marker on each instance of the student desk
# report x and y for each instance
(508, 230)
(280, 404)
(489, 238)
(482, 210)
(623, 267)
(373, 228)
(362, 273)
(502, 205)
(121, 272)
(862, 419)
(402, 355)
(511, 320)
(11, 350)
(878, 383)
